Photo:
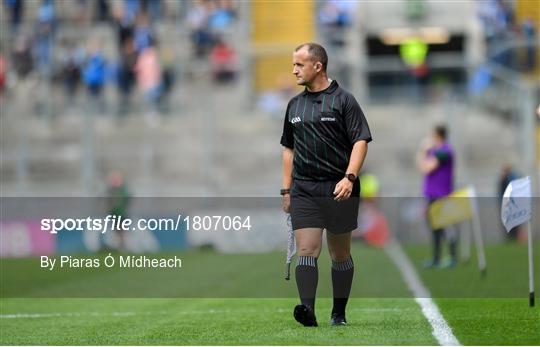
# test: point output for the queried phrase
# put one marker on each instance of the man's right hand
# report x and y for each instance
(425, 145)
(286, 203)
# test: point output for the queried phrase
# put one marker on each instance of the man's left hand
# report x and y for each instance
(343, 189)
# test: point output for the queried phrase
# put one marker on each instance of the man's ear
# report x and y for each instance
(318, 66)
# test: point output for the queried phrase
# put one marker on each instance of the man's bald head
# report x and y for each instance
(317, 53)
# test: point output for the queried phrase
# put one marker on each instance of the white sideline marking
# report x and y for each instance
(440, 328)
(191, 312)
(63, 314)
(119, 314)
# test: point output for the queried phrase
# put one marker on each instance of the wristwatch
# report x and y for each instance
(351, 177)
(284, 191)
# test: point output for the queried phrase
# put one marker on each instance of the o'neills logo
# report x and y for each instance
(295, 120)
(328, 119)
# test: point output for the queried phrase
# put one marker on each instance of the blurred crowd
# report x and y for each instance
(140, 61)
(501, 30)
(146, 60)
(334, 17)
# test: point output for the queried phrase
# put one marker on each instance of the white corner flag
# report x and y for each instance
(516, 203)
(516, 209)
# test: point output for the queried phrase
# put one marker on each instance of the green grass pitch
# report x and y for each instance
(491, 311)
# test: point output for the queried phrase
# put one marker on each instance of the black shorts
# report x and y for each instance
(313, 206)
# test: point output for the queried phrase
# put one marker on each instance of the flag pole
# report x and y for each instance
(466, 235)
(531, 265)
(479, 246)
(477, 232)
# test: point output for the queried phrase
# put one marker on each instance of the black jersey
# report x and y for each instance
(322, 127)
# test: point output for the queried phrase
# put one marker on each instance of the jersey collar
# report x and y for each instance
(331, 88)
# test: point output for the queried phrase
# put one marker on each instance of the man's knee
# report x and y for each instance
(340, 255)
(309, 251)
(309, 242)
(339, 246)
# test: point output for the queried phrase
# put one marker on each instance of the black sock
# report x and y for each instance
(437, 240)
(307, 277)
(453, 243)
(342, 276)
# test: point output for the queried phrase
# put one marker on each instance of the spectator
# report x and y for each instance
(336, 13)
(102, 12)
(223, 60)
(23, 63)
(16, 11)
(221, 16)
(436, 161)
(94, 73)
(197, 20)
(45, 26)
(334, 16)
(131, 10)
(153, 9)
(124, 27)
(126, 75)
(530, 35)
(148, 72)
(71, 70)
(497, 18)
(142, 33)
(118, 202)
(168, 77)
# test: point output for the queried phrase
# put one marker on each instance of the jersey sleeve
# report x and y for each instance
(355, 121)
(442, 156)
(287, 137)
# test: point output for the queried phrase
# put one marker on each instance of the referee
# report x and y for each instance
(325, 137)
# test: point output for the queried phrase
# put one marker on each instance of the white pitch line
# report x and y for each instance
(145, 313)
(114, 314)
(63, 314)
(440, 328)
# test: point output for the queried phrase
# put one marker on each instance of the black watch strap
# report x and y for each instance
(284, 191)
(351, 177)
